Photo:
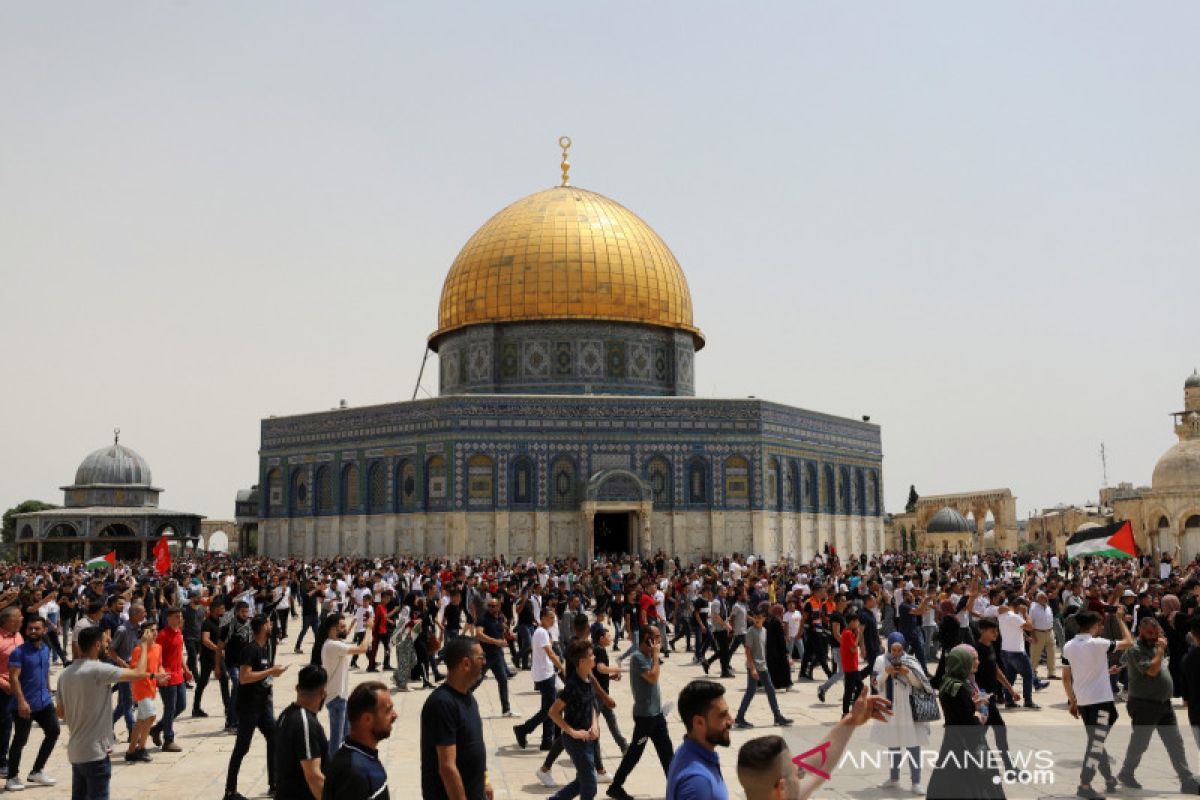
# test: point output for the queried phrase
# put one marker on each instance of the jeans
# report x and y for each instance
(308, 622)
(207, 665)
(90, 781)
(584, 785)
(930, 634)
(645, 729)
(47, 720)
(248, 721)
(895, 760)
(1147, 717)
(124, 709)
(495, 663)
(338, 728)
(752, 687)
(917, 646)
(174, 700)
(1018, 664)
(837, 675)
(635, 635)
(542, 717)
(524, 646)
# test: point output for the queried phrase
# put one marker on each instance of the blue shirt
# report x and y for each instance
(695, 774)
(35, 672)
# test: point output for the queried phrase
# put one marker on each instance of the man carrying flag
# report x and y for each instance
(1109, 541)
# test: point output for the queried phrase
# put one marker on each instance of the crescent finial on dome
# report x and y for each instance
(565, 143)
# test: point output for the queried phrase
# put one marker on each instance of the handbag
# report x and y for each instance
(924, 705)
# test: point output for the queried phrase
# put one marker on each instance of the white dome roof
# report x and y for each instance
(1179, 468)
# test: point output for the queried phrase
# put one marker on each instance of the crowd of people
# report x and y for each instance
(914, 639)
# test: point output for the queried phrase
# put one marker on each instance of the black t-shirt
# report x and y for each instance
(601, 655)
(308, 604)
(213, 628)
(701, 607)
(355, 773)
(254, 696)
(837, 623)
(985, 676)
(451, 718)
(298, 737)
(493, 626)
(452, 618)
(525, 615)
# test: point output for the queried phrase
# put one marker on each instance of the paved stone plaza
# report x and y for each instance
(198, 773)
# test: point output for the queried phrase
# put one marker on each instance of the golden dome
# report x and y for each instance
(565, 254)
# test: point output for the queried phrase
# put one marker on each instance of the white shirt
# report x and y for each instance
(337, 667)
(792, 620)
(660, 601)
(1088, 659)
(1012, 636)
(1041, 616)
(543, 667)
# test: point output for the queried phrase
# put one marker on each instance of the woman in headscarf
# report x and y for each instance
(961, 768)
(896, 675)
(1175, 628)
(949, 636)
(406, 651)
(778, 665)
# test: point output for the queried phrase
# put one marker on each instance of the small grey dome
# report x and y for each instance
(948, 520)
(1193, 381)
(115, 464)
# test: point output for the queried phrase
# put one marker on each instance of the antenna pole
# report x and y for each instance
(421, 373)
(1104, 463)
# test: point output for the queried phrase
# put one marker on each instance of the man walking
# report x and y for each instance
(1042, 618)
(1090, 695)
(1149, 705)
(29, 677)
(491, 632)
(335, 655)
(453, 753)
(722, 632)
(756, 670)
(120, 651)
(1013, 627)
(211, 653)
(174, 694)
(254, 703)
(649, 721)
(546, 665)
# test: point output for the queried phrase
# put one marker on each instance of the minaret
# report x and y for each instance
(1187, 422)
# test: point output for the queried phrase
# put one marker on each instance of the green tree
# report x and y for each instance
(8, 533)
(913, 497)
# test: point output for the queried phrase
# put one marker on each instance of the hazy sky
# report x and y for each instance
(976, 224)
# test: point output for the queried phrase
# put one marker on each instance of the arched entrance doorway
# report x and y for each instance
(1191, 538)
(61, 544)
(122, 539)
(617, 513)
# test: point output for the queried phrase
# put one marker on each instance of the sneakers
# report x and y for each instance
(41, 778)
(603, 777)
(156, 736)
(783, 722)
(618, 793)
(547, 779)
(197, 712)
(820, 694)
(509, 713)
(1033, 706)
(13, 785)
(1088, 793)
(918, 789)
(171, 747)
(1128, 780)
(890, 784)
(522, 737)
(742, 725)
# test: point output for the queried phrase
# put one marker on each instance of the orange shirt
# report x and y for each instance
(147, 688)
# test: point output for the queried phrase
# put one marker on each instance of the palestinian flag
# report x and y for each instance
(108, 561)
(1110, 541)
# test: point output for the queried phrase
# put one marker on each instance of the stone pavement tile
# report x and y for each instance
(199, 772)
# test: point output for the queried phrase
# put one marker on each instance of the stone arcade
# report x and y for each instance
(566, 422)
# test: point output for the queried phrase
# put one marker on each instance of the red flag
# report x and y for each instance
(162, 556)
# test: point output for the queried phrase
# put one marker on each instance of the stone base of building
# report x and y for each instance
(690, 535)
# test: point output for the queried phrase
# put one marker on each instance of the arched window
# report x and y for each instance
(844, 490)
(697, 483)
(808, 500)
(324, 491)
(1192, 521)
(791, 483)
(406, 486)
(771, 488)
(828, 489)
(301, 503)
(524, 492)
(860, 492)
(1163, 522)
(737, 481)
(377, 488)
(274, 492)
(435, 482)
(349, 488)
(658, 472)
(562, 483)
(480, 482)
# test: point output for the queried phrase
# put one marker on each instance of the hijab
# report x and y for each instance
(958, 670)
(1170, 607)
